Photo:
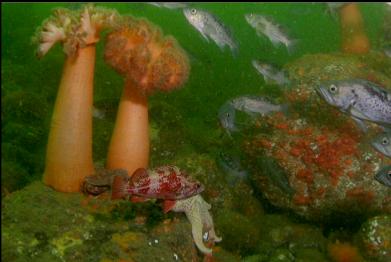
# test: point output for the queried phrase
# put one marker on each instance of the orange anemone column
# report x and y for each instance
(354, 38)
(129, 145)
(69, 150)
(149, 62)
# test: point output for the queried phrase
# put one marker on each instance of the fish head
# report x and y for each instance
(264, 68)
(191, 187)
(382, 143)
(227, 116)
(256, 20)
(194, 16)
(250, 18)
(336, 94)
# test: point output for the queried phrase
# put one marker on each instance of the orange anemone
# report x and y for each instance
(149, 62)
(354, 38)
(69, 149)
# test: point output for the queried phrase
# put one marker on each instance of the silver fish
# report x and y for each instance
(384, 176)
(230, 164)
(333, 8)
(211, 28)
(170, 5)
(270, 73)
(227, 117)
(382, 143)
(274, 31)
(362, 99)
(98, 113)
(387, 52)
(253, 105)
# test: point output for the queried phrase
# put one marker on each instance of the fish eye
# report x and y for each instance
(193, 11)
(385, 141)
(333, 88)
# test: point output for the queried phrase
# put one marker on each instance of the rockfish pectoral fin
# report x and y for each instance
(204, 36)
(168, 205)
(360, 124)
(138, 199)
(119, 187)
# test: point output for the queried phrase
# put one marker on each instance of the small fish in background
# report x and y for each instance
(227, 117)
(98, 113)
(270, 73)
(275, 174)
(254, 105)
(170, 5)
(333, 8)
(265, 26)
(211, 28)
(384, 175)
(387, 52)
(362, 99)
(230, 164)
(382, 143)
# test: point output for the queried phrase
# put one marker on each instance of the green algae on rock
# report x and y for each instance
(374, 238)
(39, 223)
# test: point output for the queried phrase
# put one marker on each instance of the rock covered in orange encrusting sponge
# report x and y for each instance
(149, 62)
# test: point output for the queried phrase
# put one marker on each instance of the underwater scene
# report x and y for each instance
(173, 131)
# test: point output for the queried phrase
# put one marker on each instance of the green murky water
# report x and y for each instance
(185, 131)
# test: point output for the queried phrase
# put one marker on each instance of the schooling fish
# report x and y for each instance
(362, 99)
(170, 5)
(270, 73)
(382, 143)
(333, 8)
(387, 51)
(384, 176)
(253, 105)
(226, 116)
(166, 182)
(98, 113)
(265, 26)
(230, 164)
(211, 28)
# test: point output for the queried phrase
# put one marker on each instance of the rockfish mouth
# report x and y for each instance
(322, 91)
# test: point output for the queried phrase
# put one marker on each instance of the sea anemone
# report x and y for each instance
(69, 149)
(149, 62)
(354, 38)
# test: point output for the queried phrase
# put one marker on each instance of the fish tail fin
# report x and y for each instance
(292, 46)
(235, 50)
(119, 187)
(285, 109)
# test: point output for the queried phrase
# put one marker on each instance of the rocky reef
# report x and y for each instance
(314, 160)
(374, 238)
